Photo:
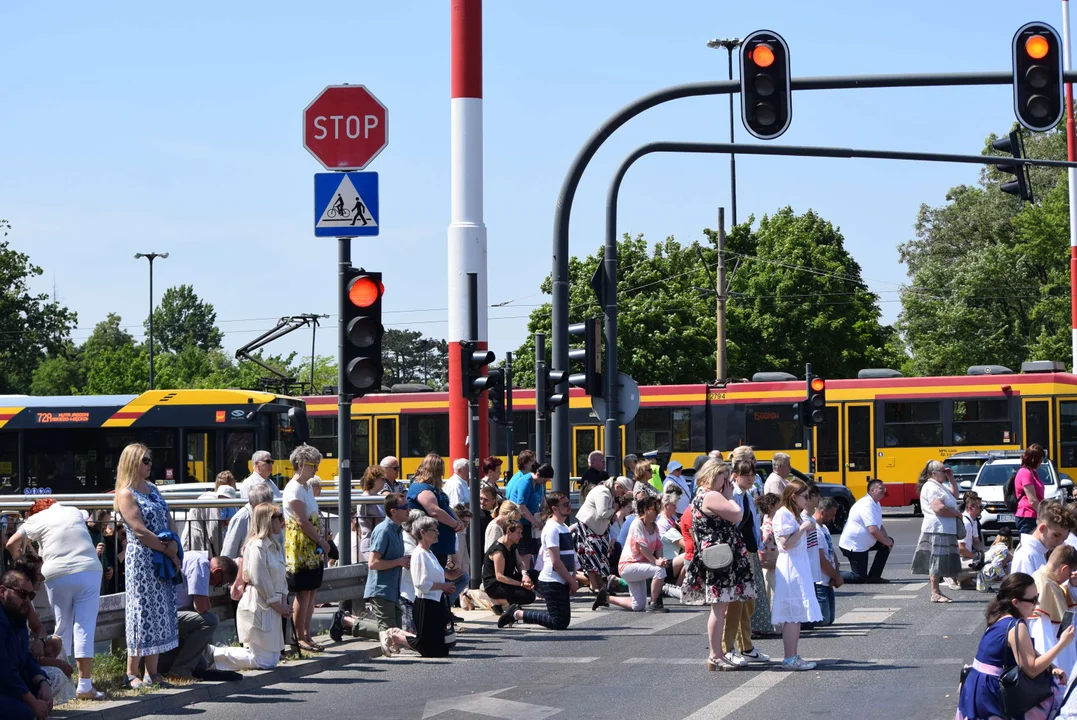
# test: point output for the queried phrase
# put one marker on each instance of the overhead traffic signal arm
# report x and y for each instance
(363, 330)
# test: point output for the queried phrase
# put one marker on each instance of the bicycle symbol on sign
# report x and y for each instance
(337, 210)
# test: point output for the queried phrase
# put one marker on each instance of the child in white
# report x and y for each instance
(794, 589)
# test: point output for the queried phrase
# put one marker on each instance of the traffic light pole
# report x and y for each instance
(344, 414)
(540, 418)
(508, 407)
(809, 432)
(562, 441)
(475, 538)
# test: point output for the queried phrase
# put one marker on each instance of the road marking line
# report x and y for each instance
(888, 597)
(924, 661)
(566, 660)
(875, 610)
(914, 587)
(664, 661)
(650, 624)
(860, 617)
(740, 696)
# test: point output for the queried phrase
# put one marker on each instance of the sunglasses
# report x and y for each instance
(393, 467)
(278, 516)
(26, 595)
(147, 461)
(402, 507)
(1034, 599)
(310, 465)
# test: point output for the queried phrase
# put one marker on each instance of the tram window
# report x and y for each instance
(427, 434)
(912, 424)
(9, 462)
(982, 422)
(653, 429)
(323, 435)
(828, 439)
(772, 427)
(682, 429)
(1067, 427)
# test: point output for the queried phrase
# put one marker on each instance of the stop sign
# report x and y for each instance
(345, 127)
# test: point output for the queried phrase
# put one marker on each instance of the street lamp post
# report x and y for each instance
(730, 44)
(151, 257)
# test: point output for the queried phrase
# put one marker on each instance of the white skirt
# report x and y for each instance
(794, 590)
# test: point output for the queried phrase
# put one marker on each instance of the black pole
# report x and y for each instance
(540, 419)
(151, 257)
(344, 415)
(474, 527)
(612, 425)
(732, 157)
(313, 339)
(508, 408)
(809, 433)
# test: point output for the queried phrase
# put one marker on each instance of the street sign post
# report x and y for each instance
(346, 204)
(345, 127)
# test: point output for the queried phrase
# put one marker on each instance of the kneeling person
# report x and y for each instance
(197, 623)
(501, 576)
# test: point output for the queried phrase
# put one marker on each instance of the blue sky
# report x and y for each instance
(133, 126)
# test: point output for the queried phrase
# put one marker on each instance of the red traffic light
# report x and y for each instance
(818, 384)
(1037, 47)
(762, 55)
(364, 291)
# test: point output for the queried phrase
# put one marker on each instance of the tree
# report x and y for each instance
(30, 325)
(411, 358)
(59, 374)
(796, 297)
(111, 361)
(183, 320)
(988, 278)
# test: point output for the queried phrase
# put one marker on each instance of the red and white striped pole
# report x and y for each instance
(467, 233)
(1071, 155)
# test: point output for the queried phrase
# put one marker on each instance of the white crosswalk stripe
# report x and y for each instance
(740, 696)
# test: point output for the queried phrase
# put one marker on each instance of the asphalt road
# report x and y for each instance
(891, 654)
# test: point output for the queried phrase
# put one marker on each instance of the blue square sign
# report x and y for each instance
(345, 204)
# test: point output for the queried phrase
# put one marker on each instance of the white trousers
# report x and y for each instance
(75, 599)
(234, 658)
(639, 576)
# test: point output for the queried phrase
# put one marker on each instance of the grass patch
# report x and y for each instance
(109, 673)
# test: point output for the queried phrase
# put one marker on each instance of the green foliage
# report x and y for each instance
(182, 320)
(30, 325)
(796, 296)
(411, 358)
(988, 279)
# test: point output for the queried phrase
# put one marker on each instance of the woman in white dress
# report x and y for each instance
(794, 590)
(265, 599)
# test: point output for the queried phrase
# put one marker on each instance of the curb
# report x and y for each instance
(164, 700)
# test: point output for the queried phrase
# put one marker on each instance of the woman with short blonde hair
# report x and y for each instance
(508, 512)
(302, 542)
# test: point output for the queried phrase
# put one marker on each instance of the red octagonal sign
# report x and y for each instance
(345, 127)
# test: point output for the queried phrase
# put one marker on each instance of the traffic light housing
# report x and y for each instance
(766, 96)
(1020, 185)
(472, 363)
(1037, 76)
(362, 358)
(590, 355)
(496, 389)
(546, 396)
(815, 404)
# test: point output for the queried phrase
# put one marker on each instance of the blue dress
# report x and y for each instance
(446, 544)
(150, 601)
(980, 698)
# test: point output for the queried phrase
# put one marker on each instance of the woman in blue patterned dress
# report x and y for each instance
(150, 601)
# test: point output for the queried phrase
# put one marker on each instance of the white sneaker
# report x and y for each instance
(796, 663)
(952, 584)
(735, 658)
(387, 645)
(755, 656)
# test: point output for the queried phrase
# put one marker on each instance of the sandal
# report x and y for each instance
(310, 646)
(157, 682)
(133, 681)
(940, 598)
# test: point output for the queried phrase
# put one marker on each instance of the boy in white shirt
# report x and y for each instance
(830, 578)
(1052, 527)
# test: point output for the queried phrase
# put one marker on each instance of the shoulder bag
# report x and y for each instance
(1020, 693)
(714, 557)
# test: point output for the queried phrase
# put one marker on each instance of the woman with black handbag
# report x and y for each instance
(1008, 679)
(720, 571)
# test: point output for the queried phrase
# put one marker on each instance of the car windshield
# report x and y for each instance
(992, 475)
(965, 468)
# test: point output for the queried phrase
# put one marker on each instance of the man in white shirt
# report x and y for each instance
(557, 579)
(675, 479)
(456, 486)
(825, 513)
(971, 547)
(1052, 527)
(864, 533)
(241, 522)
(776, 481)
(263, 470)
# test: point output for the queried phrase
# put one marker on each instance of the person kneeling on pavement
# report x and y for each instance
(24, 690)
(385, 565)
(197, 624)
(265, 596)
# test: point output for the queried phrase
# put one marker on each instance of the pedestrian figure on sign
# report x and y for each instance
(360, 211)
(339, 206)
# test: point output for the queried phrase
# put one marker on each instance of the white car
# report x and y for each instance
(991, 480)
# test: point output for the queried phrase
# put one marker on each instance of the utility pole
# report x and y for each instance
(719, 289)
(151, 257)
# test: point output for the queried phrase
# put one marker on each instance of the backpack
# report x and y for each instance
(1009, 493)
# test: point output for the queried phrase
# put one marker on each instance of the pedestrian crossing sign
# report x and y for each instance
(345, 204)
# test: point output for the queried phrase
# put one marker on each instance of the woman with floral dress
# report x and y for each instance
(150, 602)
(305, 549)
(714, 520)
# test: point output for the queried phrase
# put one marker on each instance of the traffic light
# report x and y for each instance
(1020, 185)
(815, 404)
(766, 96)
(472, 362)
(590, 355)
(362, 320)
(546, 382)
(1037, 76)
(496, 388)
